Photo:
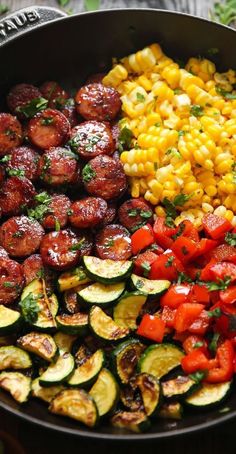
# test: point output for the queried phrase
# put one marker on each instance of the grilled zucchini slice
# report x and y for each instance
(107, 271)
(104, 326)
(45, 394)
(127, 309)
(17, 384)
(100, 294)
(124, 359)
(64, 341)
(86, 374)
(179, 387)
(209, 395)
(105, 392)
(10, 321)
(148, 287)
(151, 392)
(59, 371)
(134, 421)
(41, 344)
(72, 278)
(159, 359)
(172, 410)
(12, 357)
(76, 404)
(73, 324)
(70, 300)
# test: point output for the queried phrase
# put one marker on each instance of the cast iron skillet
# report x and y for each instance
(68, 49)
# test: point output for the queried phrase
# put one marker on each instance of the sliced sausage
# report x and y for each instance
(115, 134)
(68, 109)
(60, 250)
(21, 236)
(113, 242)
(97, 102)
(21, 95)
(58, 212)
(86, 242)
(15, 194)
(88, 212)
(49, 128)
(55, 94)
(104, 177)
(91, 139)
(11, 280)
(110, 214)
(3, 253)
(134, 213)
(24, 159)
(33, 268)
(2, 175)
(11, 134)
(57, 166)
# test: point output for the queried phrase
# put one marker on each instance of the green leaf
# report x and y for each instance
(230, 238)
(179, 232)
(33, 107)
(88, 173)
(29, 308)
(224, 12)
(8, 284)
(15, 172)
(214, 342)
(196, 110)
(199, 376)
(215, 313)
(182, 277)
(78, 246)
(140, 97)
(91, 5)
(221, 284)
(43, 197)
(146, 267)
(125, 139)
(39, 212)
(226, 94)
(47, 121)
(198, 344)
(170, 208)
(169, 261)
(57, 226)
(181, 199)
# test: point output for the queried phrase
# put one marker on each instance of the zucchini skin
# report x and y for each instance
(165, 368)
(94, 315)
(111, 386)
(131, 344)
(136, 421)
(14, 325)
(64, 374)
(195, 399)
(93, 370)
(97, 289)
(106, 280)
(73, 328)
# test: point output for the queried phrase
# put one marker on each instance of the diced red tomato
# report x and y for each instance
(225, 370)
(193, 272)
(157, 249)
(163, 233)
(206, 274)
(152, 327)
(223, 270)
(201, 324)
(188, 230)
(215, 226)
(191, 344)
(228, 296)
(224, 252)
(186, 314)
(143, 261)
(176, 295)
(222, 325)
(194, 361)
(204, 246)
(184, 248)
(168, 315)
(200, 294)
(142, 238)
(166, 266)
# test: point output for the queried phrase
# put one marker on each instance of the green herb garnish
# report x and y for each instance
(226, 94)
(57, 225)
(214, 341)
(33, 107)
(198, 344)
(43, 197)
(8, 284)
(88, 173)
(30, 308)
(169, 261)
(146, 268)
(215, 313)
(47, 121)
(140, 97)
(182, 277)
(198, 376)
(230, 238)
(78, 246)
(196, 110)
(125, 139)
(221, 284)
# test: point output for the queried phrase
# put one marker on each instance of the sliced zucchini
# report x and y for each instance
(76, 404)
(149, 287)
(86, 374)
(70, 299)
(36, 307)
(12, 357)
(41, 344)
(72, 278)
(179, 387)
(173, 410)
(136, 421)
(59, 371)
(104, 326)
(64, 341)
(125, 357)
(107, 271)
(81, 355)
(100, 294)
(127, 309)
(105, 392)
(151, 392)
(10, 320)
(131, 398)
(17, 384)
(46, 394)
(159, 359)
(209, 395)
(53, 304)
(73, 324)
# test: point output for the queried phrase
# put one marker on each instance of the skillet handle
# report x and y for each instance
(26, 19)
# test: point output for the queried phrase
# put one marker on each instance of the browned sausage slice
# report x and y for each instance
(134, 213)
(20, 96)
(110, 214)
(55, 94)
(33, 268)
(21, 236)
(86, 242)
(58, 166)
(11, 280)
(104, 177)
(11, 134)
(113, 242)
(97, 102)
(60, 250)
(15, 194)
(24, 159)
(49, 128)
(2, 175)
(91, 139)
(3, 253)
(59, 206)
(88, 212)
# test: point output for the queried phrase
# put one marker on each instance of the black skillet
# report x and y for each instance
(38, 44)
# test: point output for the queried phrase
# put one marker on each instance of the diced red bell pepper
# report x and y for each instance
(191, 342)
(193, 272)
(215, 226)
(143, 261)
(168, 315)
(184, 248)
(204, 246)
(225, 370)
(194, 361)
(186, 314)
(228, 296)
(176, 295)
(222, 325)
(163, 233)
(224, 252)
(206, 274)
(223, 270)
(166, 266)
(142, 238)
(200, 294)
(152, 327)
(158, 250)
(188, 230)
(201, 324)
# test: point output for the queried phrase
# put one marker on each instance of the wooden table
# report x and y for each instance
(38, 441)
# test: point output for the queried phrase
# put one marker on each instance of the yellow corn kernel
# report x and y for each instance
(210, 190)
(115, 76)
(207, 208)
(151, 198)
(159, 210)
(229, 215)
(156, 50)
(155, 187)
(145, 83)
(220, 211)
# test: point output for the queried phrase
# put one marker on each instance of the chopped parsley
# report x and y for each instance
(125, 139)
(181, 133)
(132, 213)
(221, 284)
(15, 172)
(230, 238)
(170, 207)
(57, 225)
(177, 91)
(213, 51)
(69, 212)
(137, 212)
(46, 121)
(198, 344)
(182, 277)
(8, 284)
(5, 158)
(181, 199)
(109, 243)
(146, 267)
(18, 234)
(215, 313)
(30, 308)
(140, 97)
(43, 197)
(40, 273)
(198, 376)
(196, 110)
(139, 284)
(78, 246)
(88, 173)
(33, 107)
(42, 209)
(226, 94)
(169, 261)
(214, 341)
(179, 232)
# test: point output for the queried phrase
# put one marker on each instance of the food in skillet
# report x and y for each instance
(123, 305)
